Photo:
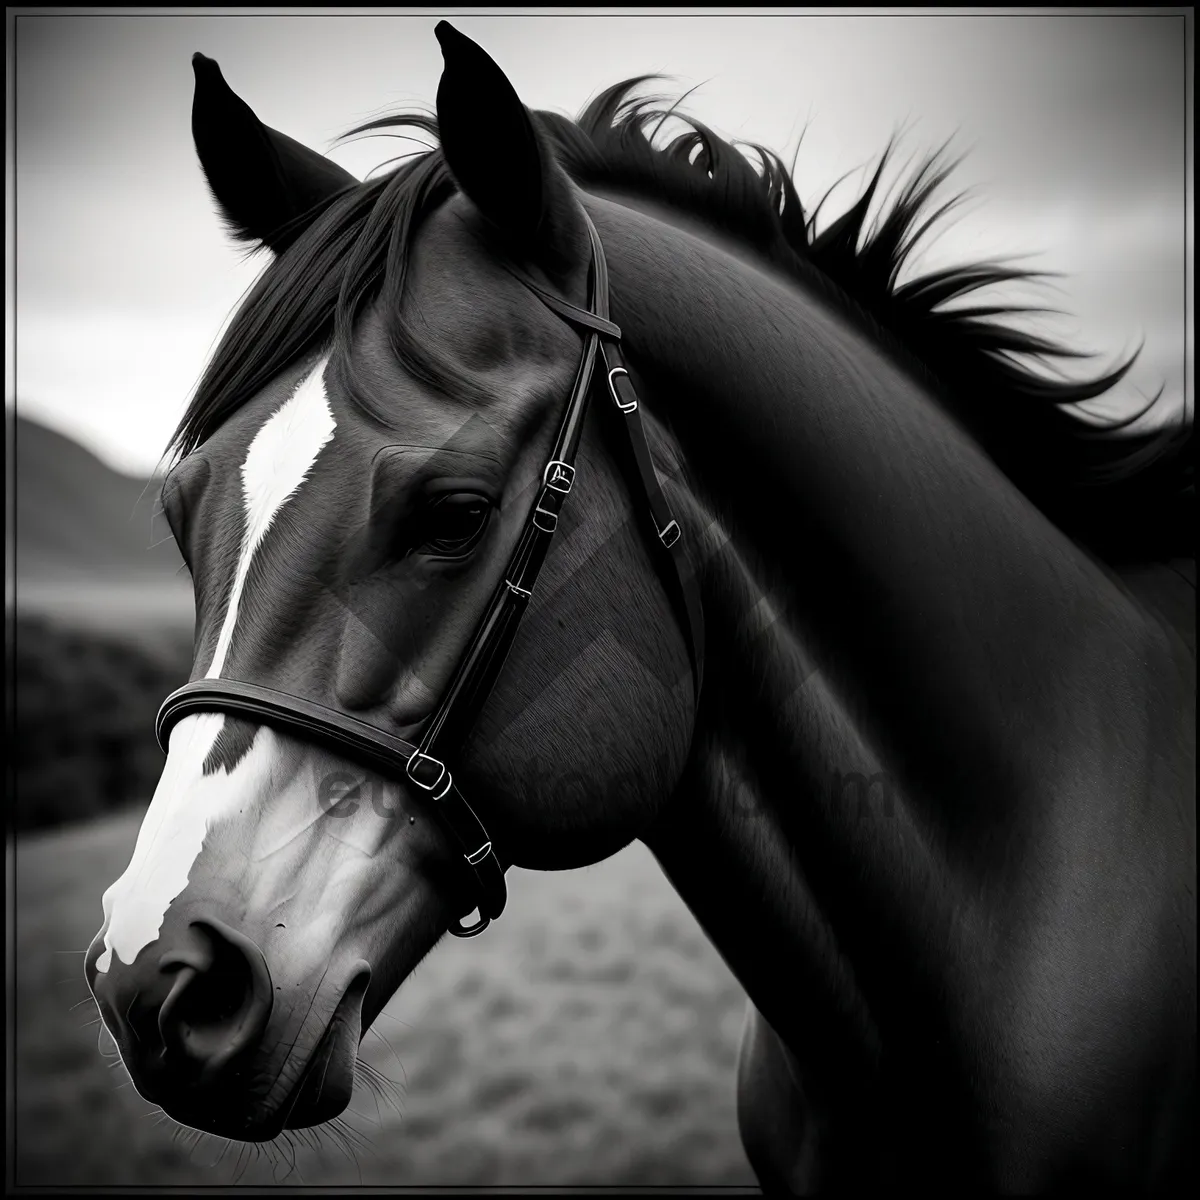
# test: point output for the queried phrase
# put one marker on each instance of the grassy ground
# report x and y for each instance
(589, 1038)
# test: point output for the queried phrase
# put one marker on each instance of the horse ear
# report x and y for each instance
(269, 187)
(496, 154)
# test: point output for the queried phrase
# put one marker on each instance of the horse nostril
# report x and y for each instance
(216, 996)
(219, 1002)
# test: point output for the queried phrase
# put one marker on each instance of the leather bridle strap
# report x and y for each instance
(485, 656)
(447, 728)
(360, 741)
(624, 396)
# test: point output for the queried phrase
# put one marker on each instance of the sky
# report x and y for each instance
(1075, 128)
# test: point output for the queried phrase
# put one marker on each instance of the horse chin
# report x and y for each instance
(327, 1084)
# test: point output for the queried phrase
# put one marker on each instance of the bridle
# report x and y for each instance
(476, 674)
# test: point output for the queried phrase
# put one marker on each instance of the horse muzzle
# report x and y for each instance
(190, 1017)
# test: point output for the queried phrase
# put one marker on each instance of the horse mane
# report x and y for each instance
(1118, 491)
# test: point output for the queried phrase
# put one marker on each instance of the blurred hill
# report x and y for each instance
(89, 549)
(103, 630)
(76, 517)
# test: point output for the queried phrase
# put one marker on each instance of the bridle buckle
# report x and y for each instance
(626, 406)
(477, 856)
(436, 787)
(559, 475)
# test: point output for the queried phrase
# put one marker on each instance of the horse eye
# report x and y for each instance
(453, 524)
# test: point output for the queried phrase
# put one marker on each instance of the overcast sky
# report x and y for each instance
(1075, 125)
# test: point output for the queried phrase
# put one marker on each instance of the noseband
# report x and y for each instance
(476, 674)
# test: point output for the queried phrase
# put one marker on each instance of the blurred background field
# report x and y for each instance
(589, 1039)
(103, 631)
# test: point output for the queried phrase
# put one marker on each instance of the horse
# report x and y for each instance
(817, 533)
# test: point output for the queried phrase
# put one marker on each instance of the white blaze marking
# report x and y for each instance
(185, 806)
(279, 458)
(187, 802)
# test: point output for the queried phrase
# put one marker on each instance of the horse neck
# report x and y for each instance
(974, 644)
(793, 841)
(925, 629)
(769, 740)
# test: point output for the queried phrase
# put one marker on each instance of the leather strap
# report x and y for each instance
(624, 396)
(362, 742)
(666, 528)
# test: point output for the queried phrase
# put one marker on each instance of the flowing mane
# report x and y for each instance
(1105, 486)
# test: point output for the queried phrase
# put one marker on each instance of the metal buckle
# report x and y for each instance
(669, 534)
(520, 591)
(559, 475)
(550, 518)
(466, 931)
(430, 787)
(477, 856)
(622, 405)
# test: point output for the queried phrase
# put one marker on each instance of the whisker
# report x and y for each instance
(224, 1151)
(341, 1128)
(355, 1137)
(371, 1086)
(374, 1096)
(358, 1112)
(376, 1075)
(335, 1136)
(239, 1168)
(194, 1156)
(385, 1013)
(331, 1136)
(283, 1160)
(382, 1087)
(309, 1137)
(295, 1157)
(270, 1152)
(393, 1052)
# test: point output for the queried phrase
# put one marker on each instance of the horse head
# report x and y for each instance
(379, 425)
